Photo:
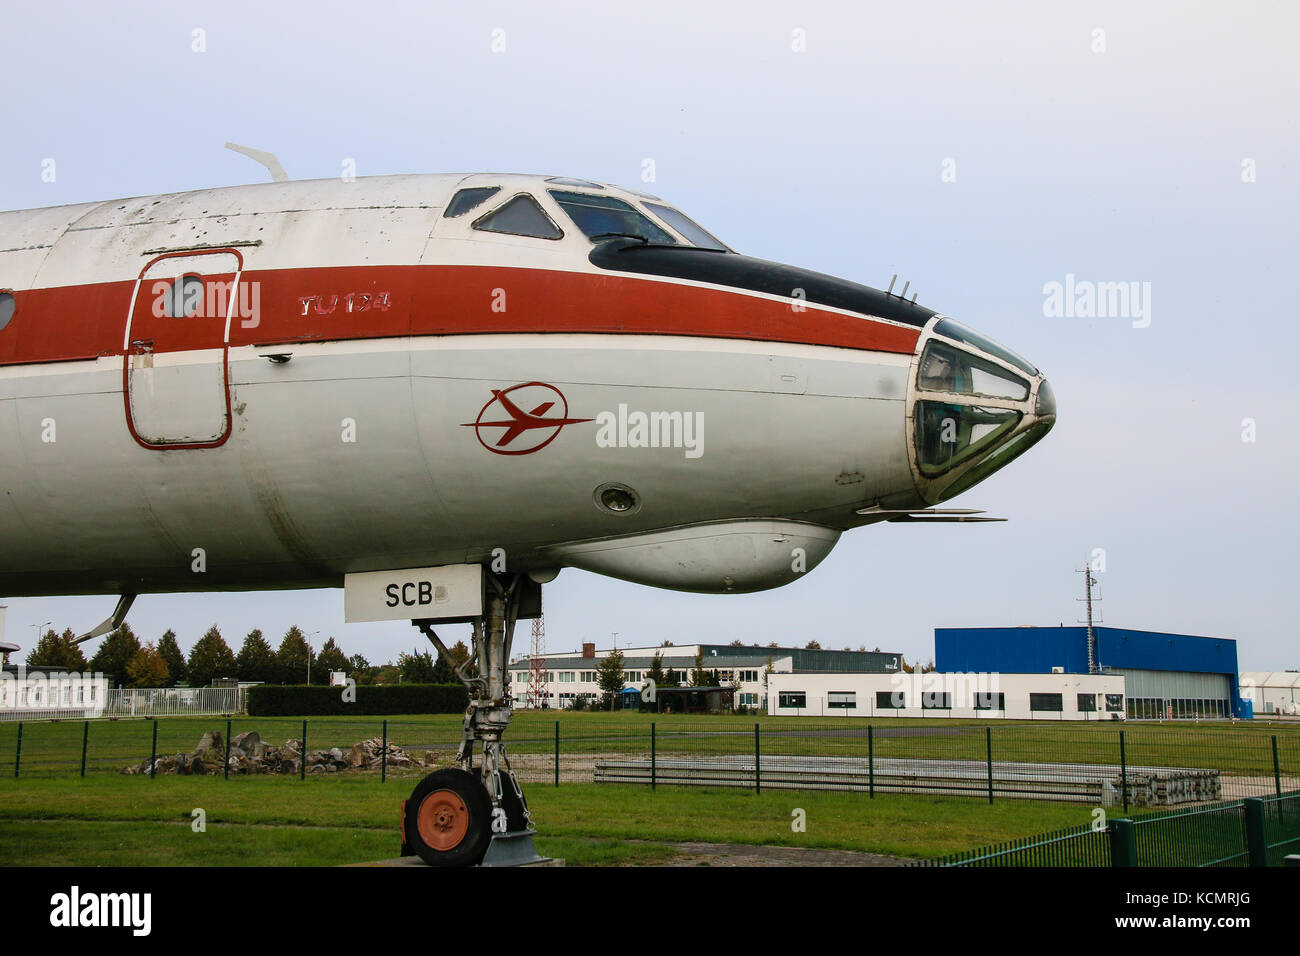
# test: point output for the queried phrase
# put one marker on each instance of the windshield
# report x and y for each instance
(695, 234)
(599, 216)
(955, 330)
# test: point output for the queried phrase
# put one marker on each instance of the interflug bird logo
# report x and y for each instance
(502, 421)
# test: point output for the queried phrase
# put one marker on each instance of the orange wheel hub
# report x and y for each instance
(443, 820)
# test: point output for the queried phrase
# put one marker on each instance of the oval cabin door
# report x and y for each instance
(176, 375)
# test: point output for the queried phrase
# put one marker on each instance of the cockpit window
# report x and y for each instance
(948, 434)
(521, 215)
(947, 369)
(955, 330)
(468, 199)
(599, 216)
(694, 233)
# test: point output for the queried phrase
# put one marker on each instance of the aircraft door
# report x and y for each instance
(176, 377)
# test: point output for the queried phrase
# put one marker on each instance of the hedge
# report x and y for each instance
(270, 700)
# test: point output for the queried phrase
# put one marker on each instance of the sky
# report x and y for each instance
(981, 151)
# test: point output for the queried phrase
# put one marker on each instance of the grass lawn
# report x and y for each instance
(127, 821)
(54, 748)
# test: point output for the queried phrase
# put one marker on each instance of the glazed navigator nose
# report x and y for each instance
(976, 406)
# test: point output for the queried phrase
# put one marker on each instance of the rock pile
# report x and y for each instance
(250, 754)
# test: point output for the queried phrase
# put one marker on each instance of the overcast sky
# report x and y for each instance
(980, 150)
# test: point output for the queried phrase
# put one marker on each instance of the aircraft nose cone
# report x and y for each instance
(1045, 405)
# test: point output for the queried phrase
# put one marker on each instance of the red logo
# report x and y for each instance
(506, 411)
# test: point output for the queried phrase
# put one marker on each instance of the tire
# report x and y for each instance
(449, 819)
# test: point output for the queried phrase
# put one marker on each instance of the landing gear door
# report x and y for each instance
(176, 376)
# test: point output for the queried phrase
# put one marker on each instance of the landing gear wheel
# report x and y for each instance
(449, 819)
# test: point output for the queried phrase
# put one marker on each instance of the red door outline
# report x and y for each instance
(129, 348)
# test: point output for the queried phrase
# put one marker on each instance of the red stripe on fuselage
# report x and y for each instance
(86, 321)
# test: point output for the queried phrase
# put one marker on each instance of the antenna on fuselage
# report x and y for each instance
(268, 160)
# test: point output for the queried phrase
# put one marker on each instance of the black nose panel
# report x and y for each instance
(754, 275)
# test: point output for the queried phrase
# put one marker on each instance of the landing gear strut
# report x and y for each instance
(463, 817)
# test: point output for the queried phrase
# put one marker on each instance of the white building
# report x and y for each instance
(982, 696)
(1272, 692)
(44, 693)
(573, 673)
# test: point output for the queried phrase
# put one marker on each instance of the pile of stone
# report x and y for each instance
(250, 754)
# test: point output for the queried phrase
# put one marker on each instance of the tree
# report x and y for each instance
(331, 658)
(737, 643)
(699, 676)
(256, 662)
(175, 659)
(387, 674)
(210, 657)
(360, 669)
(443, 672)
(57, 650)
(416, 667)
(115, 654)
(656, 673)
(609, 677)
(147, 668)
(812, 646)
(291, 660)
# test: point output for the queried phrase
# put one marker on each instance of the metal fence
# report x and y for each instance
(138, 702)
(1133, 768)
(1256, 831)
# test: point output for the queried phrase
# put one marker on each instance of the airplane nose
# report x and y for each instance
(1045, 404)
(977, 406)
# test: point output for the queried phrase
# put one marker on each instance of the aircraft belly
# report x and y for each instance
(356, 456)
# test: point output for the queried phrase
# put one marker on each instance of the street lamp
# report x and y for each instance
(309, 637)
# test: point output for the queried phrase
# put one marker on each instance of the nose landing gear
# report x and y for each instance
(459, 817)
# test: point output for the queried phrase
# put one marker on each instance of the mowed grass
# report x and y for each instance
(55, 748)
(130, 821)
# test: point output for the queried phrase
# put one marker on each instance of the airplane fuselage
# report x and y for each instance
(273, 386)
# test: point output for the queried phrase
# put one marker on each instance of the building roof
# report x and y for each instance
(728, 656)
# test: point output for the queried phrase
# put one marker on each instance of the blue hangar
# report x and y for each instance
(1166, 676)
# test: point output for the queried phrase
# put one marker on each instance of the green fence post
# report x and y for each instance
(758, 778)
(302, 764)
(153, 751)
(226, 769)
(1256, 841)
(988, 746)
(1277, 769)
(85, 743)
(557, 753)
(1123, 843)
(652, 755)
(871, 763)
(383, 757)
(18, 754)
(1123, 772)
